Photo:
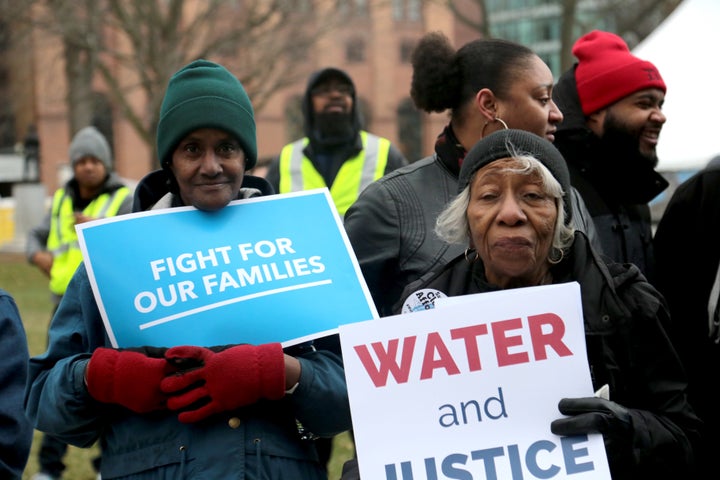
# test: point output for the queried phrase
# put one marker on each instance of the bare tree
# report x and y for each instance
(632, 20)
(475, 20)
(136, 45)
(637, 23)
(567, 33)
(79, 26)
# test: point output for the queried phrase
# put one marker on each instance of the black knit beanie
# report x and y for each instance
(510, 143)
(204, 94)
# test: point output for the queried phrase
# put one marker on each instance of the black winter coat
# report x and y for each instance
(687, 252)
(615, 186)
(628, 349)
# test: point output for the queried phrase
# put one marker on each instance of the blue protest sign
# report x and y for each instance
(270, 269)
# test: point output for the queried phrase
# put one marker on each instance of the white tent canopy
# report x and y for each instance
(685, 50)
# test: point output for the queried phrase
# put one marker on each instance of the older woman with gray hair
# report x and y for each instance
(513, 215)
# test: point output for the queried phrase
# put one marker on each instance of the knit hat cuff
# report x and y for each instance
(207, 112)
(503, 144)
(612, 85)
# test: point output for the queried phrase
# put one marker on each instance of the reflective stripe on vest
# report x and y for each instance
(297, 173)
(63, 241)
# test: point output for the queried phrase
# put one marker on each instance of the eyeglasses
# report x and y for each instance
(328, 88)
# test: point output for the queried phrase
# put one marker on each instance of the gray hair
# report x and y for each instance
(452, 223)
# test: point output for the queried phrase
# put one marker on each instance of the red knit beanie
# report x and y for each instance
(607, 71)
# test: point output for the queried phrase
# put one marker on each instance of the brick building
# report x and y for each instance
(373, 47)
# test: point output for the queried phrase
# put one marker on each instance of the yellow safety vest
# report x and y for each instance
(62, 240)
(297, 172)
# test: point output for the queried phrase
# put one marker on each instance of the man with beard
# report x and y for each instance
(335, 152)
(612, 106)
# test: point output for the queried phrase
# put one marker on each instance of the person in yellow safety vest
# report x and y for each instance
(335, 152)
(93, 192)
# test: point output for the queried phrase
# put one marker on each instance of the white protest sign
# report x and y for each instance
(468, 391)
(271, 269)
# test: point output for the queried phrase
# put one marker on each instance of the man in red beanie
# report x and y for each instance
(612, 106)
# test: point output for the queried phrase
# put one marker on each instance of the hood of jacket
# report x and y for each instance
(307, 107)
(566, 98)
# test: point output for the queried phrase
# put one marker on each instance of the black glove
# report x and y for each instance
(597, 415)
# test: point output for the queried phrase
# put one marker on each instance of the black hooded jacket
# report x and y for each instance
(627, 348)
(616, 188)
(334, 151)
(688, 258)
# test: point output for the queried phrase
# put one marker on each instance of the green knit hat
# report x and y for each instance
(204, 94)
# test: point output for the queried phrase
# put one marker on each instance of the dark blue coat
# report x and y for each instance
(15, 430)
(257, 442)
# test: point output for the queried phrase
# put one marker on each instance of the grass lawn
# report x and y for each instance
(29, 287)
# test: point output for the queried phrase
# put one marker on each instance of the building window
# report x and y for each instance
(406, 48)
(365, 111)
(7, 116)
(410, 130)
(304, 6)
(103, 117)
(355, 50)
(294, 118)
(407, 10)
(7, 126)
(358, 8)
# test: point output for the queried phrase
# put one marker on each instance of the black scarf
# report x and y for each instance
(450, 150)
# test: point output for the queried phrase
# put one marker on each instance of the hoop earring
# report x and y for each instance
(553, 261)
(496, 119)
(473, 260)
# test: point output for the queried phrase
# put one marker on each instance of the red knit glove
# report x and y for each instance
(127, 378)
(226, 380)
